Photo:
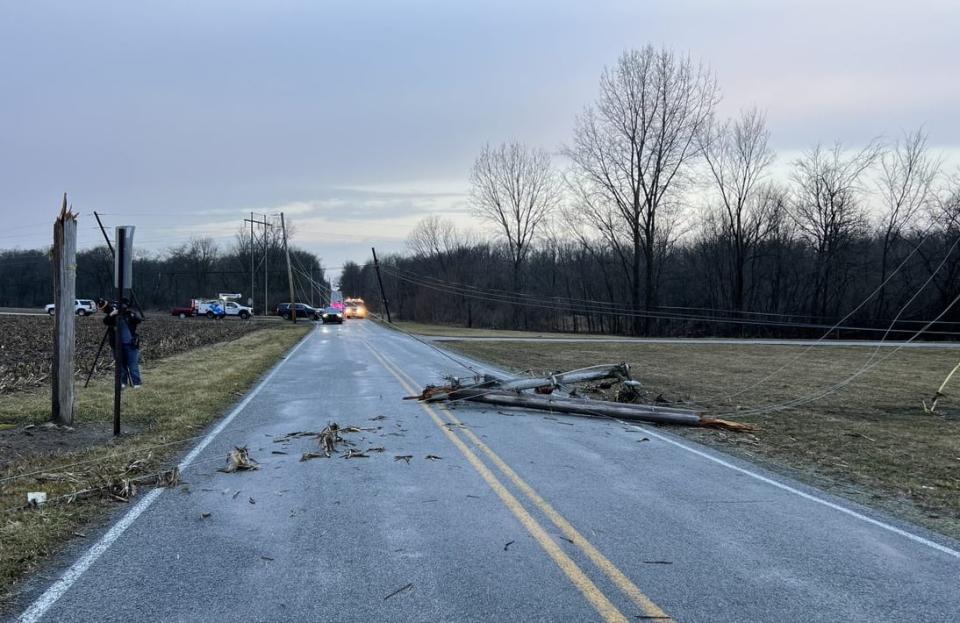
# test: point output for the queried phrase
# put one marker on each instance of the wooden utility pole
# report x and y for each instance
(383, 296)
(266, 277)
(65, 329)
(251, 264)
(286, 249)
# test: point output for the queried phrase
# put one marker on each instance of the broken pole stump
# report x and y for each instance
(65, 317)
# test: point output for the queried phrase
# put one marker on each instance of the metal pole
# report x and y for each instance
(96, 359)
(286, 249)
(117, 345)
(133, 295)
(383, 297)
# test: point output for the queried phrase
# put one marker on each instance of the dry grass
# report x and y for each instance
(180, 396)
(440, 330)
(870, 441)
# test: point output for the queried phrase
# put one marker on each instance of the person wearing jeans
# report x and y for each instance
(121, 320)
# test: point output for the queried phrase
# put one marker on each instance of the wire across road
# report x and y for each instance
(488, 515)
(547, 338)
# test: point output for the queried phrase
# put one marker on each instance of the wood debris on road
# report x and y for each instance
(398, 591)
(239, 460)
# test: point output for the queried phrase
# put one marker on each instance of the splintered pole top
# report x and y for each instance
(66, 213)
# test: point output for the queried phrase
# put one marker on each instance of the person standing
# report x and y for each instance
(218, 311)
(123, 322)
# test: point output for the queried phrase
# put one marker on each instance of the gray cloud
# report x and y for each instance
(179, 115)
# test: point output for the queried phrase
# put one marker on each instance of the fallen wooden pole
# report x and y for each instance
(509, 393)
(457, 391)
(593, 373)
(643, 413)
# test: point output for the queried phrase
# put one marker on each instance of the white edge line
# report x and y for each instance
(807, 496)
(49, 597)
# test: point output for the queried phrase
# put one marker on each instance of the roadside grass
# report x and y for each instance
(441, 330)
(871, 441)
(181, 395)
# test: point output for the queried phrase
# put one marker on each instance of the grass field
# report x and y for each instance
(870, 441)
(180, 396)
(439, 330)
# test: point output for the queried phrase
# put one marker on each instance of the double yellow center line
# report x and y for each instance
(597, 599)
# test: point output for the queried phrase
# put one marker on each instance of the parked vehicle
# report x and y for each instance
(82, 307)
(183, 312)
(217, 308)
(303, 311)
(336, 300)
(332, 315)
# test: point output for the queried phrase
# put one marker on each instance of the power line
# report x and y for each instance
(557, 305)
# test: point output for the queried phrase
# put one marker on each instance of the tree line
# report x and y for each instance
(667, 219)
(198, 268)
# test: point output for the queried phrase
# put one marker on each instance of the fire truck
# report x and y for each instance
(354, 308)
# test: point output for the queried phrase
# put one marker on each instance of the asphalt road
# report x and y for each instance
(521, 517)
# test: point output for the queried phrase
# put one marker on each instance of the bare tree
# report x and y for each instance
(908, 173)
(827, 211)
(738, 157)
(633, 148)
(945, 209)
(433, 237)
(197, 257)
(446, 251)
(515, 188)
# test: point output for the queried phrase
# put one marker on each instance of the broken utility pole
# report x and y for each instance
(286, 249)
(65, 329)
(383, 296)
(509, 393)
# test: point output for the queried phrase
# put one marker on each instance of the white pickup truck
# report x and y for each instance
(230, 308)
(81, 307)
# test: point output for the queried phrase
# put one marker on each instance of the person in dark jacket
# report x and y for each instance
(123, 321)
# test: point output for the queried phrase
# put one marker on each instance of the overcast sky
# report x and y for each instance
(359, 117)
